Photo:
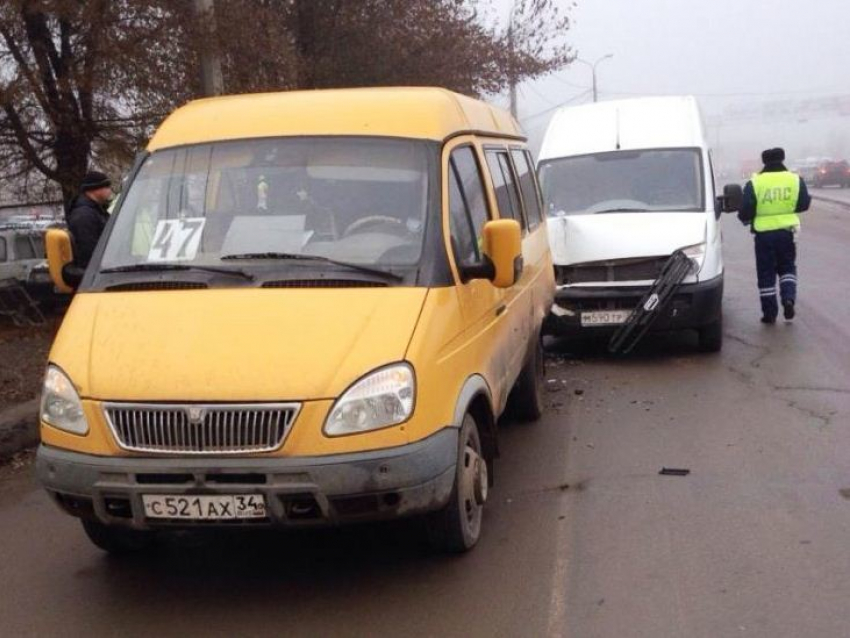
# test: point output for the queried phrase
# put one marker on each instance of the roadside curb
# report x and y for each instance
(18, 428)
(832, 200)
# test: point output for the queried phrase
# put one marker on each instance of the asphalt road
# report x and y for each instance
(582, 536)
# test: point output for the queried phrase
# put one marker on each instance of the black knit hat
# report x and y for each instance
(93, 180)
(773, 156)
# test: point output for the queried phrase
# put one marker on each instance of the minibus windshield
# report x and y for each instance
(656, 180)
(323, 202)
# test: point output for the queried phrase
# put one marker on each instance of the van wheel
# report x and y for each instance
(457, 527)
(527, 396)
(117, 540)
(711, 337)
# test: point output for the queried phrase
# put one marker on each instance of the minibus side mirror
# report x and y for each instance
(732, 199)
(503, 245)
(57, 245)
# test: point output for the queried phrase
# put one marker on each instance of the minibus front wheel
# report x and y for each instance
(117, 540)
(457, 527)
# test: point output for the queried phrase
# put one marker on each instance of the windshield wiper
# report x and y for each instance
(327, 260)
(178, 267)
(621, 210)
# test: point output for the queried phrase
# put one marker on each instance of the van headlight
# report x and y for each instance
(60, 404)
(696, 253)
(382, 398)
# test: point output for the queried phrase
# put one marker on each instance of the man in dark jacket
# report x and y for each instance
(772, 200)
(86, 220)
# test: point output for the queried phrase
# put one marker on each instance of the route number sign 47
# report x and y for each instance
(176, 239)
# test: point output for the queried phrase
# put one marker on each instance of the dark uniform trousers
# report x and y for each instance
(776, 256)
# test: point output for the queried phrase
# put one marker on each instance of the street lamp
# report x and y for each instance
(593, 66)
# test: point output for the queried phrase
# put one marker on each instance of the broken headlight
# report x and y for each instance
(696, 253)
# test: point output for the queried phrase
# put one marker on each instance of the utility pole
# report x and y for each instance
(593, 66)
(212, 80)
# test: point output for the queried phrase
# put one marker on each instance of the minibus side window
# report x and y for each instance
(528, 186)
(507, 196)
(467, 206)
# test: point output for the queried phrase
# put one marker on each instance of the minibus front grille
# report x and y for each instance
(200, 429)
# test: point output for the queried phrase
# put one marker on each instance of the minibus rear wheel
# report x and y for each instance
(457, 527)
(117, 540)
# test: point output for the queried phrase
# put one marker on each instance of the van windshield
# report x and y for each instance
(275, 203)
(654, 180)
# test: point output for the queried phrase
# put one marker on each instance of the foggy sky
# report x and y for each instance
(729, 53)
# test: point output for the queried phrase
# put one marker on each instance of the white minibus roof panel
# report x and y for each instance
(639, 123)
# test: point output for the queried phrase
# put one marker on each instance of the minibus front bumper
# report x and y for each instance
(298, 491)
(692, 306)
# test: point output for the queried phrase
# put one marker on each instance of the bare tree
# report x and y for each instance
(85, 82)
(82, 80)
(310, 44)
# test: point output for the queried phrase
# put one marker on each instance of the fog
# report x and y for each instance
(766, 72)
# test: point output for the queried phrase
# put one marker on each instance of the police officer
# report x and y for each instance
(86, 220)
(772, 199)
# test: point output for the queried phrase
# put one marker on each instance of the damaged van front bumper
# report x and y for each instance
(693, 305)
(300, 491)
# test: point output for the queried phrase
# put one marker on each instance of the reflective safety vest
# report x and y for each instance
(776, 201)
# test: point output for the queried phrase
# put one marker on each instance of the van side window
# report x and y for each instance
(23, 248)
(38, 242)
(2, 249)
(507, 195)
(467, 205)
(528, 186)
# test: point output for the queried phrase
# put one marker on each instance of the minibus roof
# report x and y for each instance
(409, 112)
(638, 123)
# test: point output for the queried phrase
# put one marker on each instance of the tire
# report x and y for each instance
(457, 527)
(527, 397)
(117, 540)
(711, 337)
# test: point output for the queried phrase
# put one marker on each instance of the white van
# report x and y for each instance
(626, 183)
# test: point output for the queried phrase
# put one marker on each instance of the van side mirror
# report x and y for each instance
(57, 245)
(503, 245)
(733, 198)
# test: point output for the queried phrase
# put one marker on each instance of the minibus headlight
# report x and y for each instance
(696, 253)
(60, 404)
(382, 398)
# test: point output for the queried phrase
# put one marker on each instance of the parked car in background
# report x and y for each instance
(804, 168)
(22, 255)
(832, 173)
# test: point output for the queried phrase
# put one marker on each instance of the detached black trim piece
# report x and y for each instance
(652, 304)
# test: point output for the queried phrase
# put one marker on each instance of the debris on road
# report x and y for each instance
(674, 471)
